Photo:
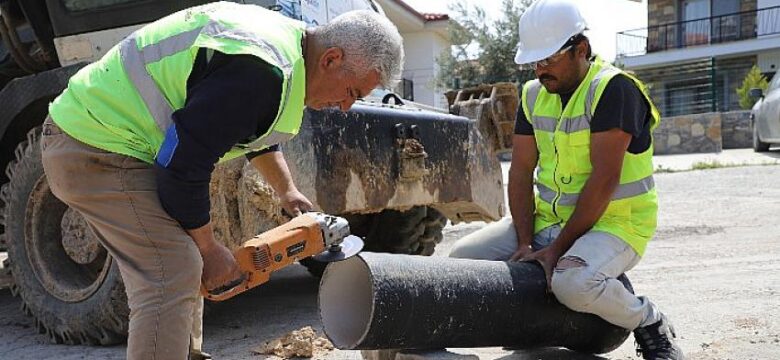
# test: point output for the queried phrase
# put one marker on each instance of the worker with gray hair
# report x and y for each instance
(584, 127)
(131, 143)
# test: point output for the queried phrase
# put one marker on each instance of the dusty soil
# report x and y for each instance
(714, 269)
(303, 343)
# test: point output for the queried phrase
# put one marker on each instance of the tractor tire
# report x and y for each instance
(66, 280)
(416, 231)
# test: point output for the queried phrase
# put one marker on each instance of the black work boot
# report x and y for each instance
(656, 341)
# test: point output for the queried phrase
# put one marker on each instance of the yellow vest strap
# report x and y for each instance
(623, 191)
(568, 125)
(591, 95)
(134, 60)
(533, 92)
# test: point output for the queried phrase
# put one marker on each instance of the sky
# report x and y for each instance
(604, 17)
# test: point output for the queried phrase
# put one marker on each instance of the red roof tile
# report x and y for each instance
(435, 17)
(423, 17)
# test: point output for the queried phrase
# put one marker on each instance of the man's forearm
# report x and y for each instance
(521, 204)
(591, 205)
(203, 237)
(274, 170)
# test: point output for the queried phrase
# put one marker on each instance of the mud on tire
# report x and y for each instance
(65, 279)
(414, 232)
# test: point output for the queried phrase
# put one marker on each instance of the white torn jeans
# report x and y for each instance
(590, 288)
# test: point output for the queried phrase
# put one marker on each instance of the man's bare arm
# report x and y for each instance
(521, 192)
(273, 168)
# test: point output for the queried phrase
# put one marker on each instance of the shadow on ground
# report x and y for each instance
(550, 354)
(774, 153)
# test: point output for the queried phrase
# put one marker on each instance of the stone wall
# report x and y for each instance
(748, 21)
(703, 133)
(735, 130)
(661, 12)
(665, 11)
(699, 133)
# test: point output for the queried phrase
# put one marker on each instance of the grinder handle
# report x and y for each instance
(227, 291)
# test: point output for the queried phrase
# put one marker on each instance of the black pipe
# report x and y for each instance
(385, 301)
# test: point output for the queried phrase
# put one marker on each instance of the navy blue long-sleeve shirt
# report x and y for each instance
(230, 99)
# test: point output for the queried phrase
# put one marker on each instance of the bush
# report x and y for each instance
(753, 80)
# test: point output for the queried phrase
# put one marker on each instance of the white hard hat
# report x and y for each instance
(545, 27)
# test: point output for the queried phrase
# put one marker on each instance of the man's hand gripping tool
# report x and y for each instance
(324, 237)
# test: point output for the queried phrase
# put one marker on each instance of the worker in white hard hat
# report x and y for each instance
(585, 127)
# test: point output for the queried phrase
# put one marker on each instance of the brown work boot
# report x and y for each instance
(656, 341)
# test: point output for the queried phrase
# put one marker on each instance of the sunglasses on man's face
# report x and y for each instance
(552, 59)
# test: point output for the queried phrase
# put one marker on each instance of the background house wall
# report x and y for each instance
(425, 37)
(661, 12)
(422, 49)
(691, 84)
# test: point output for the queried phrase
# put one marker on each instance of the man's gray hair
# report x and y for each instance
(369, 41)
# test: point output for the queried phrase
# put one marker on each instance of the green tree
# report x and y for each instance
(483, 52)
(753, 80)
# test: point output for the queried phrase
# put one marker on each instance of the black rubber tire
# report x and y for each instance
(100, 316)
(758, 145)
(416, 231)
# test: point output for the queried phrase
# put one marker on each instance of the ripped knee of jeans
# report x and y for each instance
(570, 262)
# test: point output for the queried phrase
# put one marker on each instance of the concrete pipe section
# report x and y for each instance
(386, 301)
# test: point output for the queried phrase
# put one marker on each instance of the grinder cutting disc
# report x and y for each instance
(350, 246)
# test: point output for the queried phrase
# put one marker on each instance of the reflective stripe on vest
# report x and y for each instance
(532, 94)
(591, 96)
(134, 60)
(623, 191)
(568, 125)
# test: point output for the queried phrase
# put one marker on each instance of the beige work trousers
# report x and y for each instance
(159, 262)
(591, 287)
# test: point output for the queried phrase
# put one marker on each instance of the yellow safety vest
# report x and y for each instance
(123, 103)
(563, 141)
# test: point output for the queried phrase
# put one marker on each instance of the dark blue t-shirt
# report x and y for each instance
(230, 99)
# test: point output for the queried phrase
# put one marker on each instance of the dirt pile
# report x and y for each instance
(299, 343)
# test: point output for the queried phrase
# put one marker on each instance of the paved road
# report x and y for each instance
(713, 268)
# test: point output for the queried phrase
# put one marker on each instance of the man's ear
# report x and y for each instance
(332, 58)
(582, 49)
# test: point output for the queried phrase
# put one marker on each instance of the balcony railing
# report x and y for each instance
(713, 30)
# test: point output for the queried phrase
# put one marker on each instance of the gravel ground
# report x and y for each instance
(713, 269)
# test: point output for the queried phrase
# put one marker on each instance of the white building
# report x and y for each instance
(425, 37)
(694, 54)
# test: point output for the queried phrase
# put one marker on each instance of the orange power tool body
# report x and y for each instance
(323, 236)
